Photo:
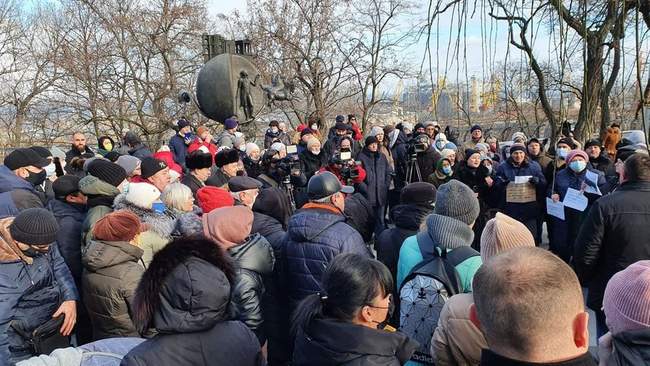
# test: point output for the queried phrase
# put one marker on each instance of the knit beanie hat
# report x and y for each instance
(250, 147)
(228, 226)
(313, 142)
(626, 302)
(230, 123)
(119, 225)
(451, 146)
(456, 200)
(593, 142)
(34, 226)
(445, 153)
(519, 136)
(419, 193)
(142, 195)
(210, 198)
(277, 146)
(376, 130)
(474, 128)
(65, 185)
(150, 166)
(306, 131)
(573, 153)
(371, 140)
(129, 163)
(110, 173)
(518, 147)
(502, 233)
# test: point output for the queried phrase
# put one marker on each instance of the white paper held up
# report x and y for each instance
(555, 208)
(522, 179)
(575, 200)
(592, 177)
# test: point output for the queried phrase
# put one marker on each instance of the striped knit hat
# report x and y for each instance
(502, 233)
(627, 299)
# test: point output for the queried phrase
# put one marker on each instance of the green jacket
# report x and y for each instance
(100, 203)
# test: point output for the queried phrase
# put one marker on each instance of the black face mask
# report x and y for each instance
(36, 178)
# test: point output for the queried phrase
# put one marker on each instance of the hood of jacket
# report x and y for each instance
(102, 254)
(255, 254)
(62, 209)
(631, 348)
(160, 223)
(275, 203)
(332, 342)
(185, 289)
(307, 224)
(409, 216)
(9, 251)
(10, 181)
(90, 185)
(448, 233)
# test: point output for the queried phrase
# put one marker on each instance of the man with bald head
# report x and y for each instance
(528, 304)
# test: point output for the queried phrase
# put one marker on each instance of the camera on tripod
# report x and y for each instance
(417, 145)
(350, 168)
(290, 164)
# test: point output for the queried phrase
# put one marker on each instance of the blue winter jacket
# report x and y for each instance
(29, 293)
(315, 236)
(506, 173)
(16, 194)
(70, 218)
(178, 148)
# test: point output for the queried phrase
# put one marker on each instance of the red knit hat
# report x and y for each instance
(118, 226)
(212, 197)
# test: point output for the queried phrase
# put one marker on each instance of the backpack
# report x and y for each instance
(425, 291)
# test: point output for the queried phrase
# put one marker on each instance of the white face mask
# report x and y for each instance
(315, 151)
(314, 127)
(274, 129)
(50, 170)
(242, 148)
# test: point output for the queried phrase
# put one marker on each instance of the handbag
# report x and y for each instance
(46, 337)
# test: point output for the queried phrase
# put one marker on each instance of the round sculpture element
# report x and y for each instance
(229, 85)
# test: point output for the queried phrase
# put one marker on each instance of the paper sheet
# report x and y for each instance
(522, 179)
(593, 177)
(555, 208)
(575, 200)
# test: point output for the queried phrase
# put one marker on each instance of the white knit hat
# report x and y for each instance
(142, 195)
(376, 130)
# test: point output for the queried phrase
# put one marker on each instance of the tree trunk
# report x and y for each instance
(605, 115)
(593, 84)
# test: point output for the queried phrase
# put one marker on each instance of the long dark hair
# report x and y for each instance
(350, 282)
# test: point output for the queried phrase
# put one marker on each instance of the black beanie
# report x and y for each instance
(34, 226)
(517, 147)
(419, 193)
(110, 173)
(150, 166)
(371, 140)
(65, 185)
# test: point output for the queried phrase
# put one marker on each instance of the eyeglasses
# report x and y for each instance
(390, 301)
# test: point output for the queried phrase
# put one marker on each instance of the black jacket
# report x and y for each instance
(630, 348)
(185, 295)
(378, 176)
(601, 163)
(70, 218)
(360, 215)
(74, 153)
(253, 168)
(331, 342)
(407, 219)
(255, 264)
(310, 163)
(613, 236)
(401, 159)
(193, 183)
(489, 358)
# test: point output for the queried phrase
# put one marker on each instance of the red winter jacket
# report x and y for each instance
(197, 143)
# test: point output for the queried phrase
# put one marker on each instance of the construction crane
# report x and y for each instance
(396, 98)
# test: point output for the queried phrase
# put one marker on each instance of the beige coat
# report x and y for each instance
(456, 340)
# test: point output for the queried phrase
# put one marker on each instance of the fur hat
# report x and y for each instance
(198, 160)
(225, 157)
(142, 195)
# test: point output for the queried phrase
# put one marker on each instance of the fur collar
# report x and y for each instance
(161, 224)
(147, 294)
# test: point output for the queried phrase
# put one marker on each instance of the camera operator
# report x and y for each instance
(278, 169)
(346, 169)
(420, 150)
(341, 131)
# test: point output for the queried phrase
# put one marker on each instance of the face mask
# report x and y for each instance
(440, 144)
(108, 146)
(489, 169)
(36, 178)
(578, 166)
(50, 170)
(446, 170)
(314, 127)
(562, 153)
(315, 151)
(274, 129)
(242, 148)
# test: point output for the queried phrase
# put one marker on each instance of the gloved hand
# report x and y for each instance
(534, 180)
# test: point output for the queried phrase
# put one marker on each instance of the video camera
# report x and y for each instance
(289, 165)
(417, 145)
(350, 168)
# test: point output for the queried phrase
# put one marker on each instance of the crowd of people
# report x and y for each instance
(391, 246)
